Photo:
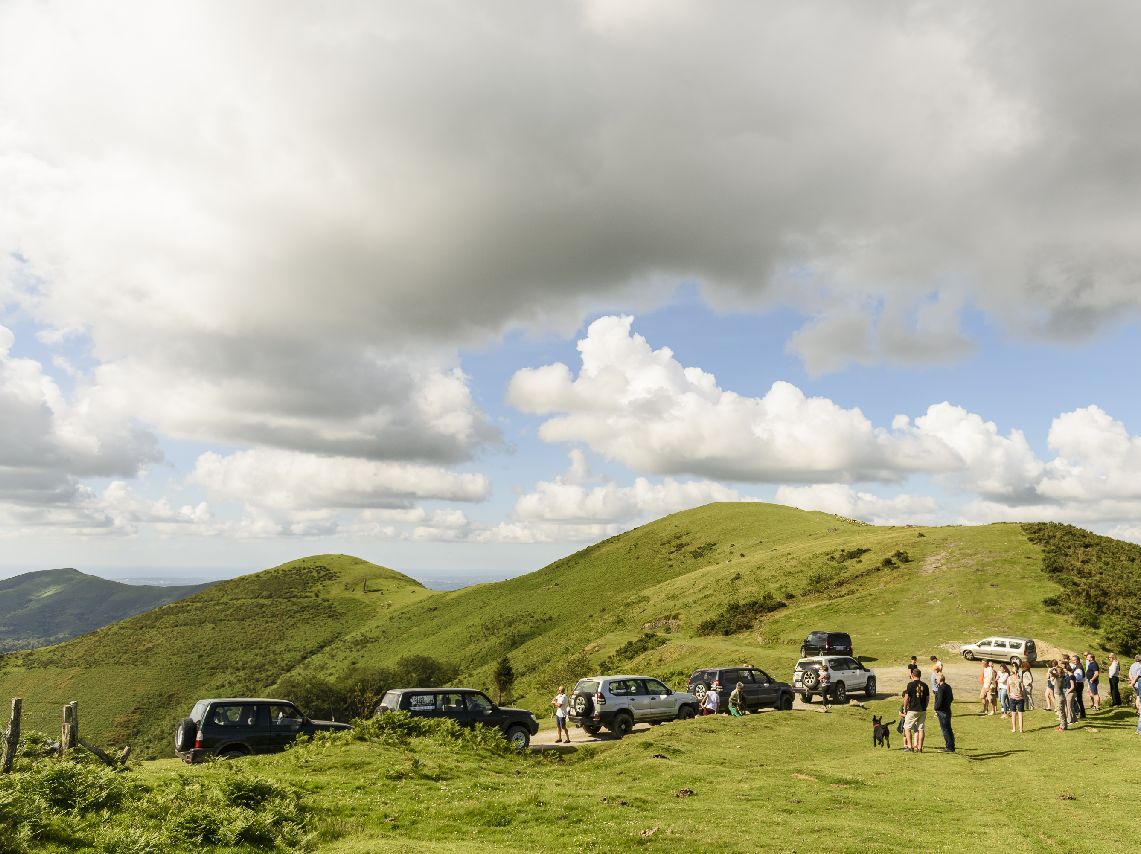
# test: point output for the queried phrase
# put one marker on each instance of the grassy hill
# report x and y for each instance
(135, 679)
(655, 599)
(41, 608)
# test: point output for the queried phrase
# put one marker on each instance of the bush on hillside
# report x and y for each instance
(740, 616)
(630, 650)
(356, 693)
(1100, 578)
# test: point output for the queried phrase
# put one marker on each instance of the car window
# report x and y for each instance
(284, 714)
(478, 703)
(235, 715)
(451, 703)
(653, 686)
(422, 703)
(199, 711)
(390, 701)
(586, 686)
(624, 687)
(702, 676)
(730, 677)
(999, 644)
(839, 639)
(759, 676)
(746, 676)
(817, 637)
(1016, 644)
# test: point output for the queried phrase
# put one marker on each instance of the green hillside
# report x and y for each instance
(724, 583)
(46, 607)
(136, 678)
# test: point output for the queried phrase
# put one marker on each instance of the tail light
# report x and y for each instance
(599, 702)
(198, 741)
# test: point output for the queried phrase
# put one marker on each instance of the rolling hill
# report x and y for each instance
(42, 608)
(724, 583)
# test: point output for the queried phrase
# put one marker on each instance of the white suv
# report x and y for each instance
(619, 702)
(847, 676)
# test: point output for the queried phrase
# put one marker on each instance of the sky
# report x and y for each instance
(461, 288)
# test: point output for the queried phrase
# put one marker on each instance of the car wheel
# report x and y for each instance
(622, 725)
(840, 694)
(870, 689)
(685, 713)
(968, 655)
(806, 697)
(785, 703)
(591, 729)
(234, 753)
(1015, 660)
(185, 735)
(810, 679)
(583, 704)
(518, 737)
(700, 690)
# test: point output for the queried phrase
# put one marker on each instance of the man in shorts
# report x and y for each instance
(915, 698)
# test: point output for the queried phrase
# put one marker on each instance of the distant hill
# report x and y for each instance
(42, 608)
(721, 584)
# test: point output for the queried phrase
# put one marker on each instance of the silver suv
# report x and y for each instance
(619, 702)
(847, 676)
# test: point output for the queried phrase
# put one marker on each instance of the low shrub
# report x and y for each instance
(741, 616)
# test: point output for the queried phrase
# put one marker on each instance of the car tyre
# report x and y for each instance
(700, 690)
(233, 753)
(591, 729)
(185, 735)
(840, 694)
(870, 689)
(623, 723)
(686, 712)
(806, 697)
(785, 703)
(518, 737)
(583, 705)
(810, 679)
(968, 655)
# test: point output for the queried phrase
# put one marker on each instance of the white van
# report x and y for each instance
(999, 648)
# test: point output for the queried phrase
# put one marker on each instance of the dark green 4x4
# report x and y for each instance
(239, 726)
(465, 706)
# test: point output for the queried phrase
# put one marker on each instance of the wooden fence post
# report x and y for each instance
(12, 738)
(69, 730)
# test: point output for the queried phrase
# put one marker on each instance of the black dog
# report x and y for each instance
(881, 735)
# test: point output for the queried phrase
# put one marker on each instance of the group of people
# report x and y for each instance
(1008, 689)
(711, 704)
(1069, 680)
(913, 710)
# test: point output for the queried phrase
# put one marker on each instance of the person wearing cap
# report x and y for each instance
(737, 701)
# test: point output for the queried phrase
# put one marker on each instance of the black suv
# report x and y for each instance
(239, 726)
(465, 706)
(760, 690)
(827, 643)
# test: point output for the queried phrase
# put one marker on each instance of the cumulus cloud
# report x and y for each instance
(187, 176)
(841, 500)
(281, 480)
(640, 406)
(50, 439)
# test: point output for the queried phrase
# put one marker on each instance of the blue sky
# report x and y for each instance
(463, 290)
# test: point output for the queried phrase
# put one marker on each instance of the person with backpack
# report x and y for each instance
(915, 700)
(1093, 675)
(1078, 677)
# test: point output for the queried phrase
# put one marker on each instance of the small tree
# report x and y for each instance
(504, 677)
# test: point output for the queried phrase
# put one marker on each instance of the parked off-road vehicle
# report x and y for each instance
(759, 690)
(827, 643)
(619, 702)
(239, 726)
(848, 676)
(465, 706)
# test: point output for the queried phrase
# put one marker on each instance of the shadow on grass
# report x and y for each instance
(998, 754)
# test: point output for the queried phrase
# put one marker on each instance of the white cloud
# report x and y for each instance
(643, 408)
(841, 500)
(280, 480)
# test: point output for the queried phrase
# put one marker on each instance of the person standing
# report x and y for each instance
(1114, 677)
(915, 701)
(1135, 684)
(1049, 695)
(1093, 676)
(1016, 699)
(1078, 675)
(1027, 677)
(1004, 689)
(825, 686)
(942, 705)
(936, 669)
(737, 701)
(989, 682)
(560, 704)
(1060, 677)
